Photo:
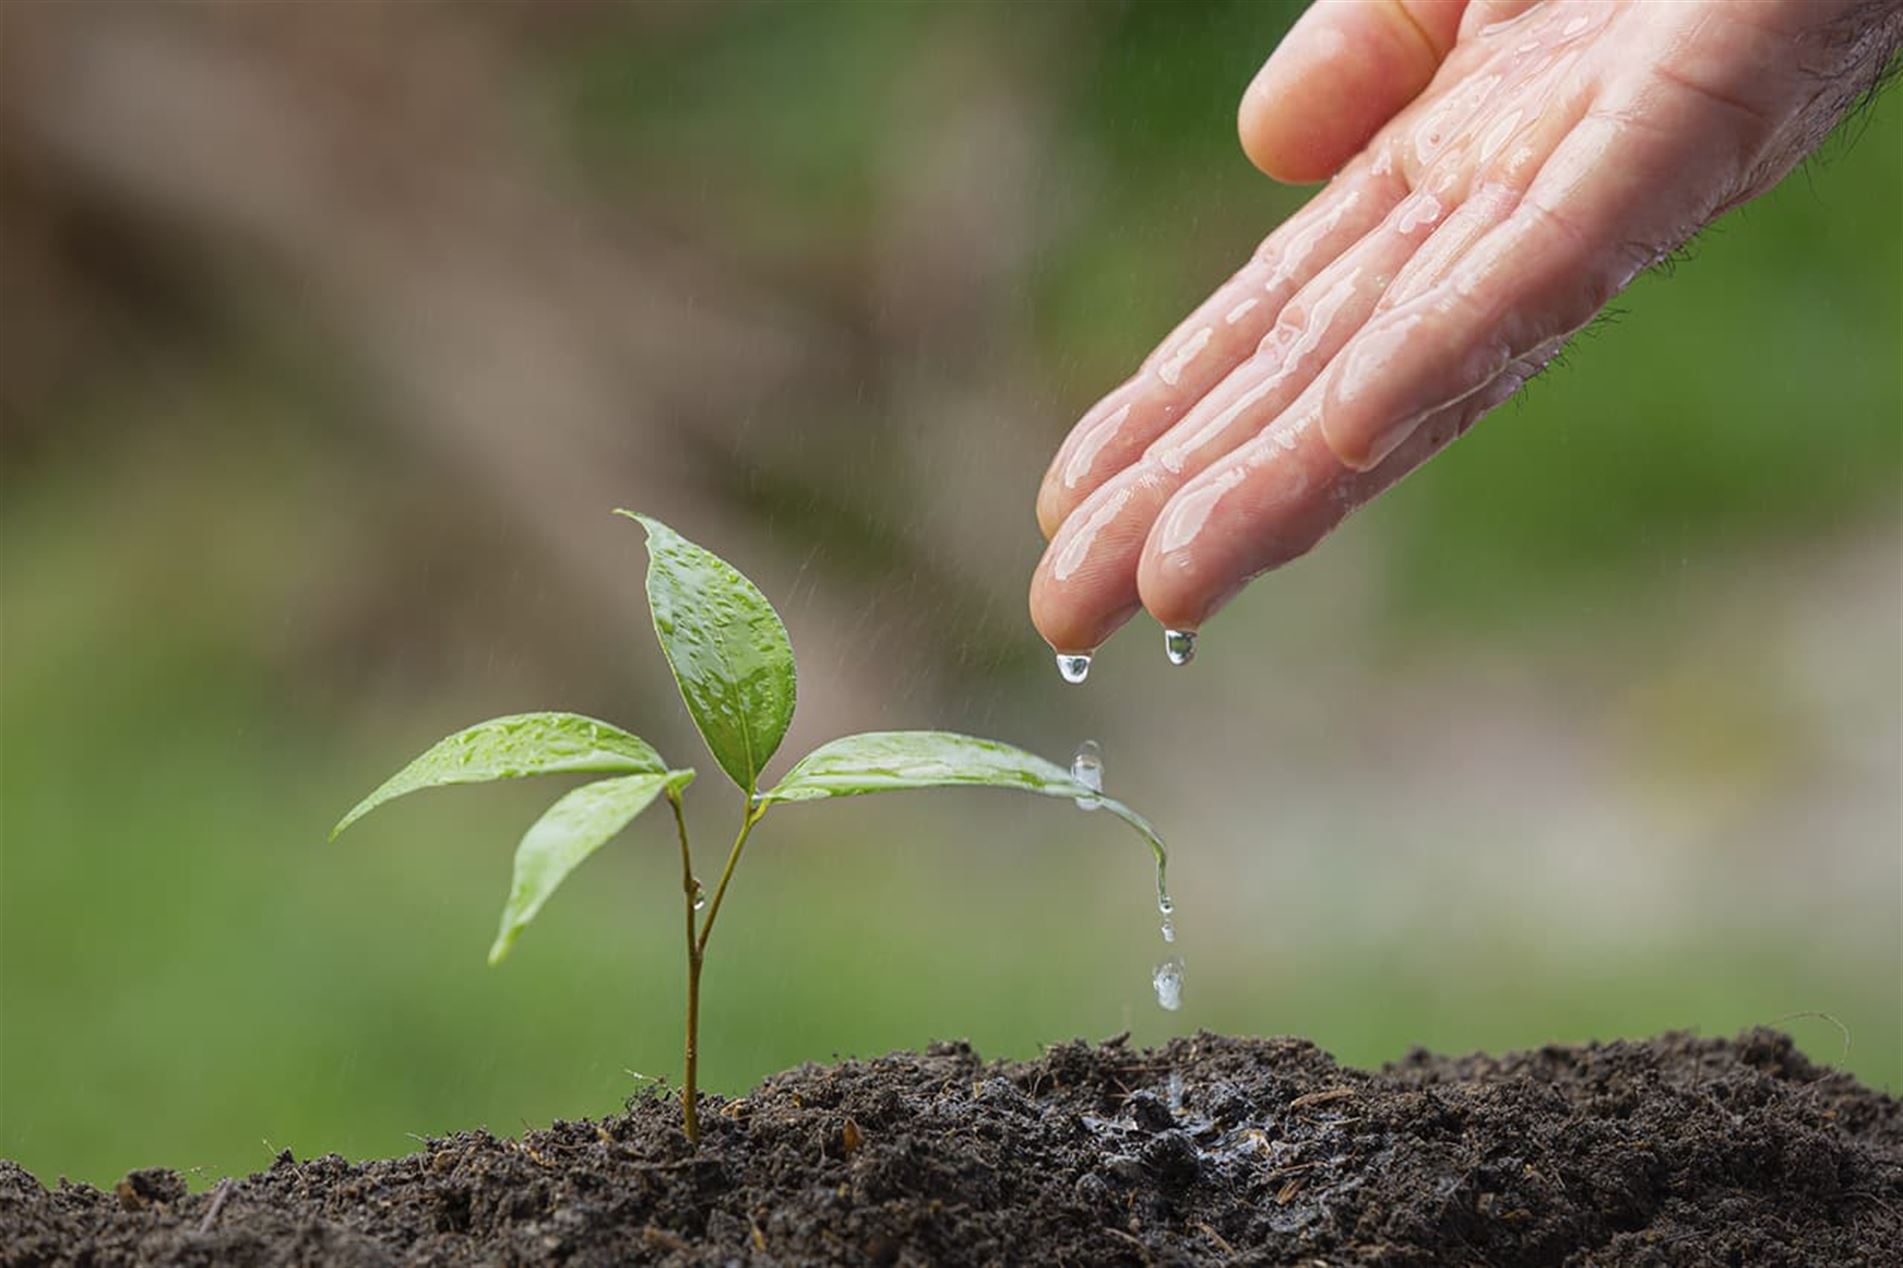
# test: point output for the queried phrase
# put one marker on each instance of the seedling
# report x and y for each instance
(731, 656)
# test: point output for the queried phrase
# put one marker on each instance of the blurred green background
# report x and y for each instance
(331, 334)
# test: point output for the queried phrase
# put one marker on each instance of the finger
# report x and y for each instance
(1284, 488)
(1632, 179)
(1344, 70)
(1226, 329)
(1311, 330)
(1221, 333)
(1505, 153)
(1273, 499)
(1085, 586)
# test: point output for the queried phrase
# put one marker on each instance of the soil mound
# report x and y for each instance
(1213, 1150)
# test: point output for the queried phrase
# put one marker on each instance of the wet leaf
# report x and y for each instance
(510, 747)
(572, 829)
(886, 761)
(727, 647)
(879, 761)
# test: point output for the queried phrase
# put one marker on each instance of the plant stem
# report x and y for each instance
(690, 1107)
(697, 951)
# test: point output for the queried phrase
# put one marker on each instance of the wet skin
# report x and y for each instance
(1501, 169)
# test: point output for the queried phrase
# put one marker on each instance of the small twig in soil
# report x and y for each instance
(218, 1197)
(1323, 1097)
(1134, 1240)
(1222, 1243)
(1293, 1169)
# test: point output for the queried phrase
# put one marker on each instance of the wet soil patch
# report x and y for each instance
(1213, 1150)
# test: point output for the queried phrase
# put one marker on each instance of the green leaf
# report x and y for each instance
(885, 761)
(572, 829)
(506, 748)
(727, 647)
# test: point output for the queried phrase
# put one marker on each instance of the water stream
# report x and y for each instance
(1087, 768)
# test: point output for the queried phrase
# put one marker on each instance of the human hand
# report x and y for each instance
(1510, 166)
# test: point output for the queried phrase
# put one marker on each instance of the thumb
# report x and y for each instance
(1346, 68)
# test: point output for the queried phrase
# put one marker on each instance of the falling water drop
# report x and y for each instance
(1179, 646)
(1087, 769)
(1074, 667)
(1168, 977)
(1168, 981)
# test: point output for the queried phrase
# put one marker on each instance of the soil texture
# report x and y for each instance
(1678, 1150)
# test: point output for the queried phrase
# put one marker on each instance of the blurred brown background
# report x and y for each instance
(331, 332)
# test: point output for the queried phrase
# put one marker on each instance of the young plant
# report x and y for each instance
(733, 661)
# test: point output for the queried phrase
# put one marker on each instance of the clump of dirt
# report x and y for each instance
(1676, 1150)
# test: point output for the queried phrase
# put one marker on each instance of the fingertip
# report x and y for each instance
(1270, 502)
(1071, 628)
(1276, 119)
(1058, 497)
(1180, 579)
(1346, 68)
(1182, 609)
(1177, 590)
(1078, 613)
(1269, 123)
(1049, 515)
(1084, 588)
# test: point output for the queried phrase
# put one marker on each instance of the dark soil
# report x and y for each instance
(1675, 1151)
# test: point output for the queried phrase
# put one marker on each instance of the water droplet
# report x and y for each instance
(1165, 905)
(700, 896)
(1074, 667)
(1176, 1091)
(1168, 981)
(1179, 646)
(1087, 769)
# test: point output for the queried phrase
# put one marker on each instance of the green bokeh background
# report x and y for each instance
(236, 593)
